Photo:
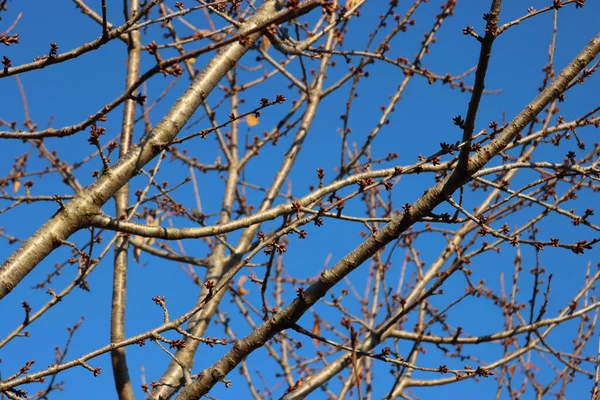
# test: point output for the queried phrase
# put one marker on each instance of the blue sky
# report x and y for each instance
(66, 94)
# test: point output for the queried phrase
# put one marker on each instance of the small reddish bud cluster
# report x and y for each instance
(7, 64)
(7, 40)
(53, 50)
(449, 148)
(177, 344)
(364, 183)
(580, 246)
(320, 173)
(26, 307)
(174, 70)
(95, 134)
(459, 121)
(140, 99)
(281, 248)
(319, 221)
(159, 300)
(24, 369)
(210, 285)
(296, 207)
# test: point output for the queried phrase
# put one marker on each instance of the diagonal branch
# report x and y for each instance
(434, 196)
(77, 213)
(485, 53)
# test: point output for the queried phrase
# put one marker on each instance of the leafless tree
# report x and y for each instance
(461, 231)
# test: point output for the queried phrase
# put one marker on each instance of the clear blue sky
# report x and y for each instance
(66, 94)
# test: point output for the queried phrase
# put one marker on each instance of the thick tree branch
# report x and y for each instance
(119, 295)
(434, 196)
(77, 213)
